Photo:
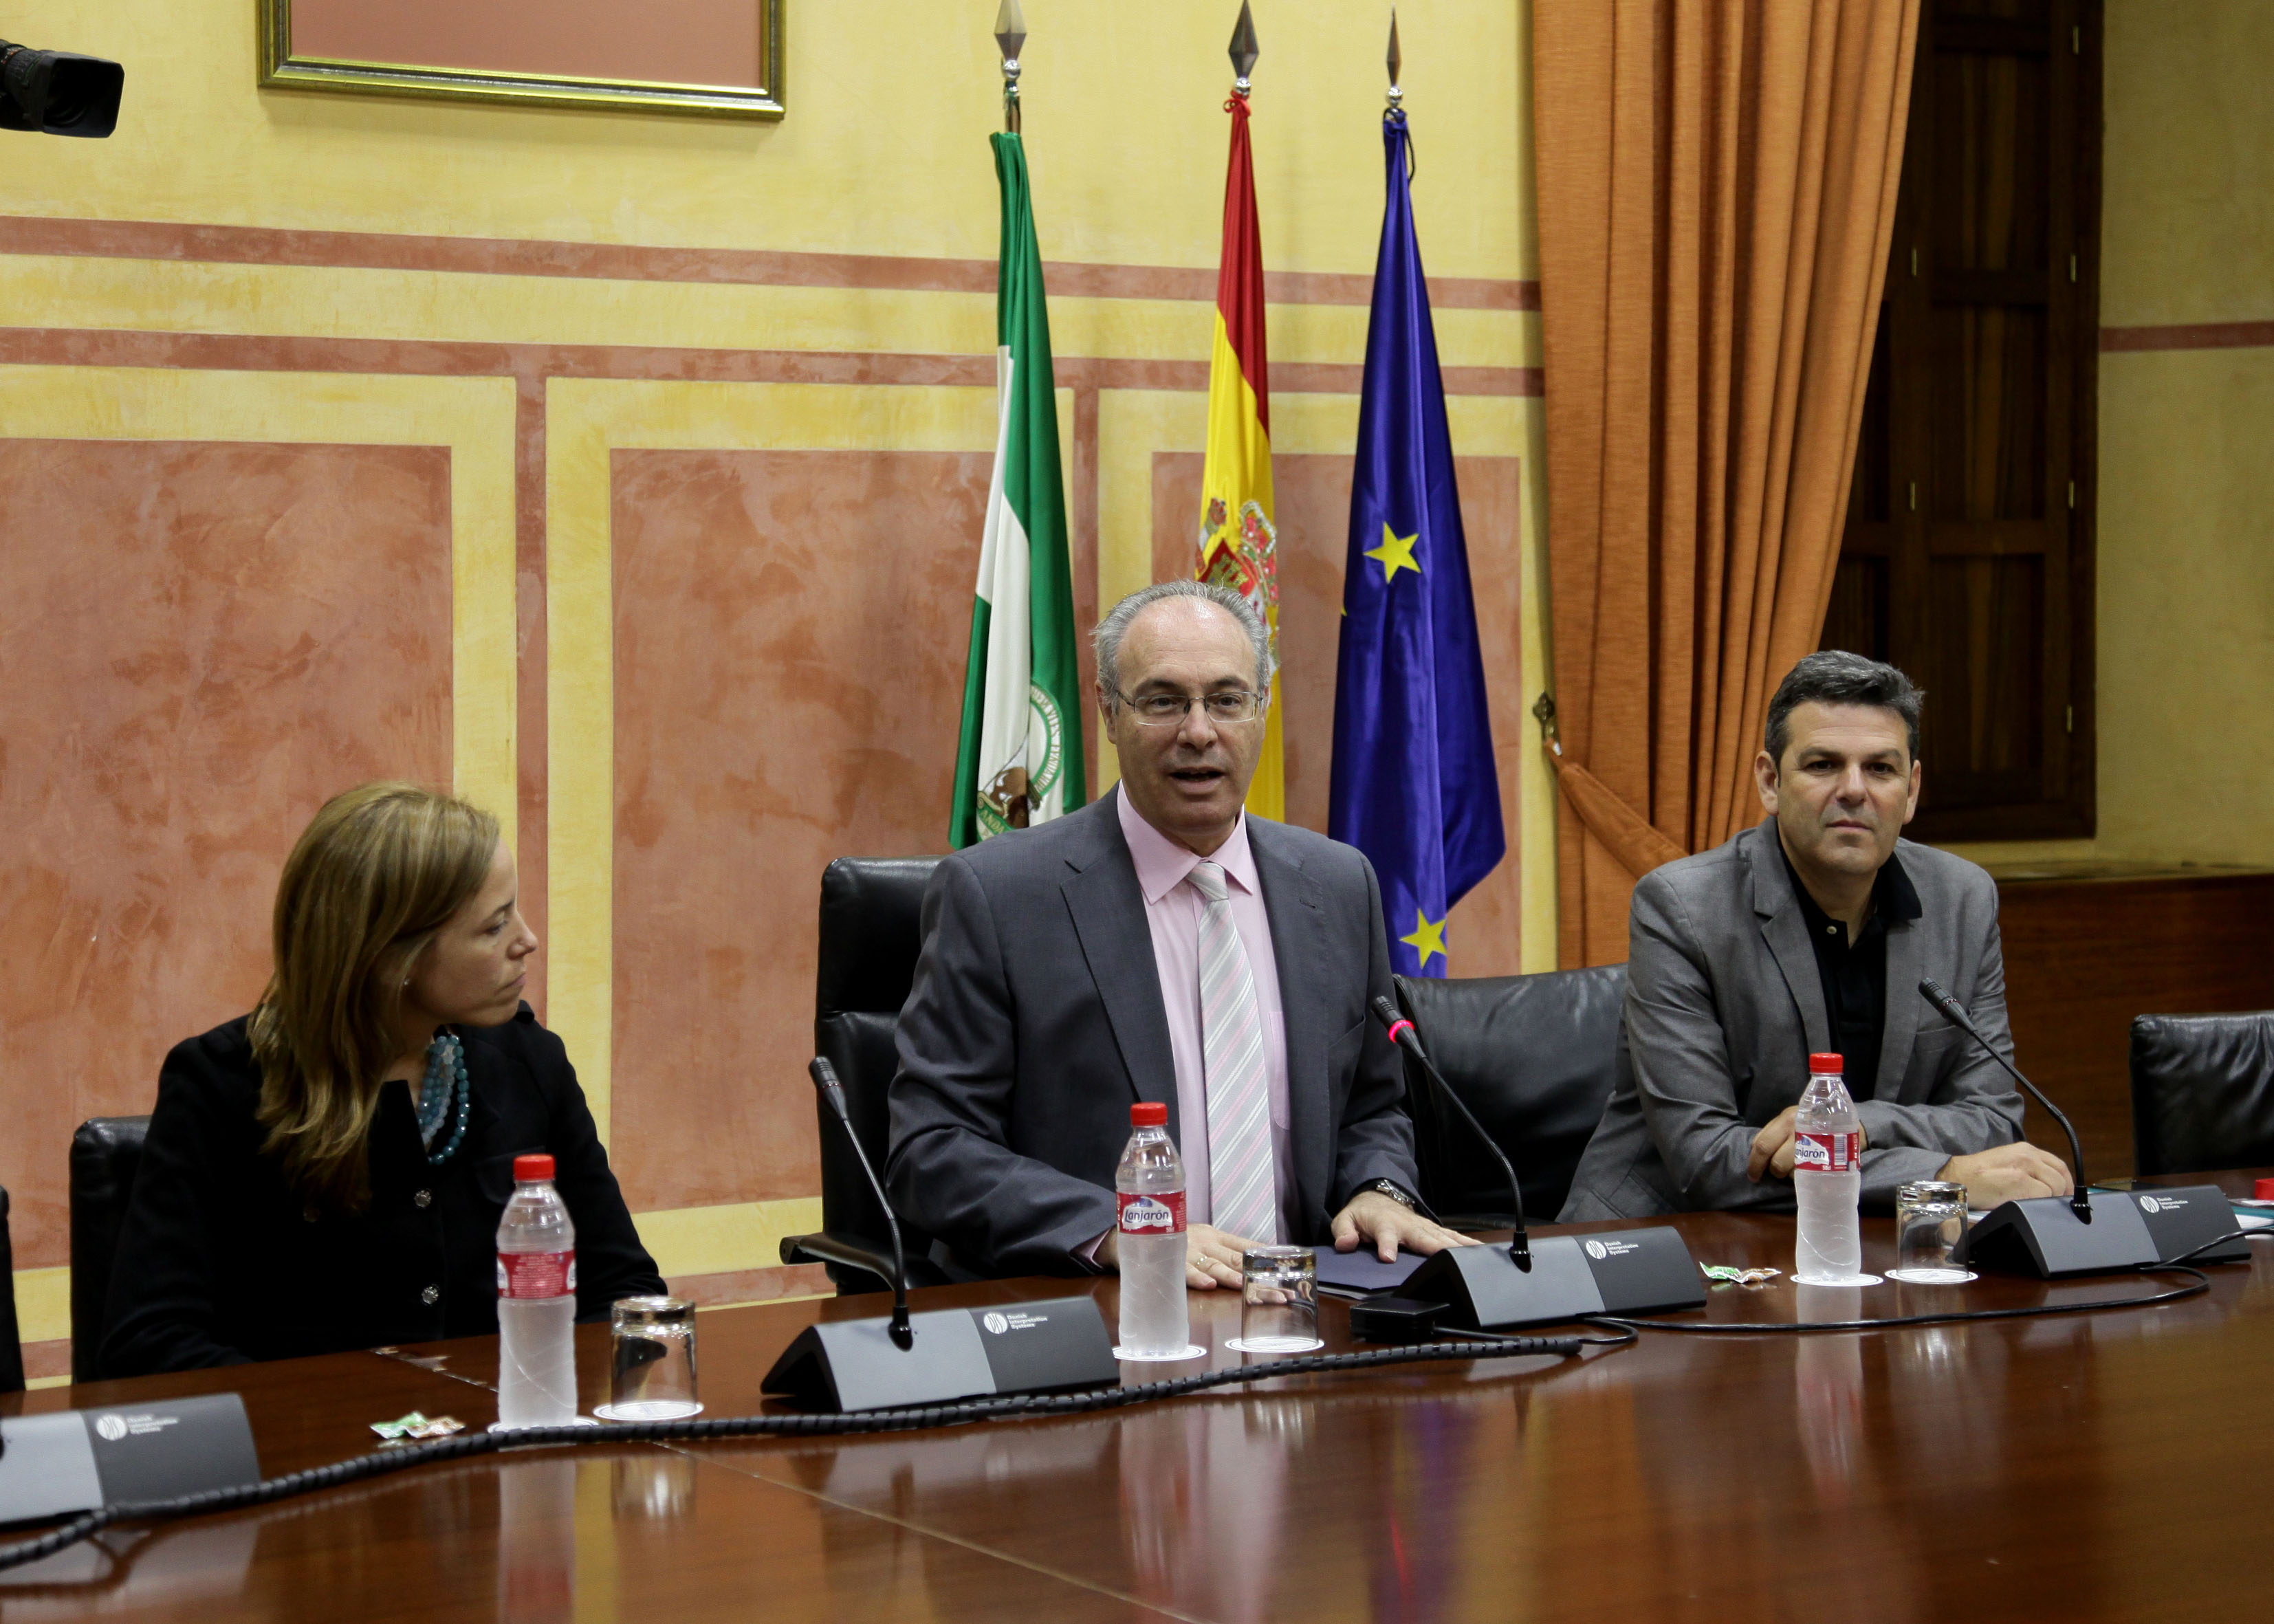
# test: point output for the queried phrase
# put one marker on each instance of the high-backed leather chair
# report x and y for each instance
(2203, 1092)
(11, 1342)
(871, 931)
(1532, 1057)
(104, 1155)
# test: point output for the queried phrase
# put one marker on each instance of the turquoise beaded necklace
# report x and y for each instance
(446, 1082)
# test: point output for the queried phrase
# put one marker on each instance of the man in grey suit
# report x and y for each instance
(1159, 944)
(1810, 933)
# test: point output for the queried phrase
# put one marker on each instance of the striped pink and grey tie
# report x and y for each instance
(1243, 1199)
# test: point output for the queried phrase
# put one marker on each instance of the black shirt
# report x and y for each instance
(220, 1261)
(1855, 978)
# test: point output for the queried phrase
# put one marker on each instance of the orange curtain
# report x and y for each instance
(1716, 194)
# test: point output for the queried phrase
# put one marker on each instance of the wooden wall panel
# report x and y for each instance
(790, 629)
(200, 642)
(2084, 955)
(1313, 504)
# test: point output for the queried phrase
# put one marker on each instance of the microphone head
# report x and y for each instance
(824, 1078)
(1950, 1008)
(1385, 1010)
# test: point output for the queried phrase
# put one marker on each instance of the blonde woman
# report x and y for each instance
(328, 1172)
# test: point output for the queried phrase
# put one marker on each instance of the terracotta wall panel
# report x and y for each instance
(198, 643)
(674, 42)
(1313, 503)
(790, 629)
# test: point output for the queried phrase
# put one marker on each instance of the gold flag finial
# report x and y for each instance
(1244, 52)
(1009, 34)
(1396, 95)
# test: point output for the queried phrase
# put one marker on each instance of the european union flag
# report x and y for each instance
(1414, 785)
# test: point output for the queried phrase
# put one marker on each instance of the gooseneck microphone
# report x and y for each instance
(2091, 1232)
(873, 1363)
(1402, 1034)
(1950, 1009)
(1568, 1276)
(824, 1078)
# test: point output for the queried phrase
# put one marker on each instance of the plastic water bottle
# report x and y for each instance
(537, 1302)
(1150, 1244)
(1827, 1180)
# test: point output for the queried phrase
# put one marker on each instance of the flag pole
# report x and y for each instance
(1018, 756)
(1009, 34)
(1238, 546)
(1422, 802)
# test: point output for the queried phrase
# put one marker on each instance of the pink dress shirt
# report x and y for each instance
(1172, 910)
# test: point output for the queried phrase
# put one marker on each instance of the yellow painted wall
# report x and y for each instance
(882, 153)
(883, 150)
(2187, 484)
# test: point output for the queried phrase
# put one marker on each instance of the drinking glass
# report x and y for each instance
(652, 1371)
(1279, 1301)
(1930, 1219)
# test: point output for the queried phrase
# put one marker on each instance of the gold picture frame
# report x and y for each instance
(282, 70)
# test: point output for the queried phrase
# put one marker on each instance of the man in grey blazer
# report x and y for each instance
(1159, 944)
(1808, 933)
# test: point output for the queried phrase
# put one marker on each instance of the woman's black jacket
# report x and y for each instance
(219, 1263)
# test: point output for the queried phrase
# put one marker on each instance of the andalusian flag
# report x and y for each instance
(1239, 548)
(1021, 759)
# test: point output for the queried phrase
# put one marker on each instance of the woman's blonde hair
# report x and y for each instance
(370, 883)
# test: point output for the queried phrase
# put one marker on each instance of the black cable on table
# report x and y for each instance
(830, 1424)
(2196, 1251)
(1628, 1339)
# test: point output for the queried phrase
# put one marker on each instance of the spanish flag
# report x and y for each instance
(1239, 548)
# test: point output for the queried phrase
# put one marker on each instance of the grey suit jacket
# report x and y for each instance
(1724, 1006)
(1035, 1020)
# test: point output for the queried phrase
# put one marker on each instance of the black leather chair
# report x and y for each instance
(104, 1155)
(2203, 1092)
(872, 930)
(11, 1342)
(1532, 1057)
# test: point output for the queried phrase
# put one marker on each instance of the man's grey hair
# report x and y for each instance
(1115, 626)
(1835, 677)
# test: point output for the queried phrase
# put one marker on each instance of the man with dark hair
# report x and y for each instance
(1810, 933)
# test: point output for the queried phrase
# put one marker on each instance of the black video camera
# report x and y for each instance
(58, 93)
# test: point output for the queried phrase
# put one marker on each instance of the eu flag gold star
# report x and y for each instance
(1427, 938)
(1394, 553)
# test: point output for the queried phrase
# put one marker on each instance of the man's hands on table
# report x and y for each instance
(1774, 1144)
(1386, 1225)
(2008, 1173)
(1212, 1255)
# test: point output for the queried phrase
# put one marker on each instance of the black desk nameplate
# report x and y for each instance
(2130, 1229)
(959, 1353)
(75, 1460)
(1620, 1272)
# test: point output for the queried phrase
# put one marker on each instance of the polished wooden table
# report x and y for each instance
(2093, 1466)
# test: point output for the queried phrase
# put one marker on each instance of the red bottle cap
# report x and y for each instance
(1819, 1063)
(2262, 1190)
(529, 1168)
(1148, 1114)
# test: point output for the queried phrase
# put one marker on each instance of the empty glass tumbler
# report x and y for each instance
(1279, 1301)
(651, 1374)
(1929, 1222)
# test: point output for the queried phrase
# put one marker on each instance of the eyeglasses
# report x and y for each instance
(1170, 710)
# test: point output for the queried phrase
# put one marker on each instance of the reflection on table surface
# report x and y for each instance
(2012, 1468)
